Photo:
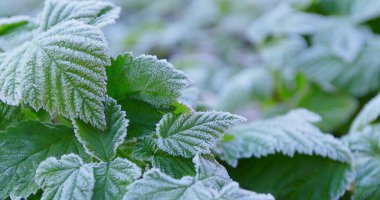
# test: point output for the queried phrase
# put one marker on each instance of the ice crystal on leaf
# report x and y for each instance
(157, 185)
(198, 132)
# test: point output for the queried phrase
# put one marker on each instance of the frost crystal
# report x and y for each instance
(288, 134)
(198, 132)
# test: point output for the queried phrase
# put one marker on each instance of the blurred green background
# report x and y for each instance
(258, 58)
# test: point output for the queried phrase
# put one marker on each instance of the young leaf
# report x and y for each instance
(23, 147)
(112, 179)
(97, 13)
(188, 134)
(15, 30)
(367, 115)
(145, 77)
(102, 144)
(66, 179)
(61, 70)
(288, 134)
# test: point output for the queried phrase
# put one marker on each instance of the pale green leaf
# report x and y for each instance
(198, 132)
(97, 13)
(146, 78)
(365, 146)
(112, 179)
(23, 147)
(103, 144)
(67, 178)
(288, 134)
(367, 115)
(61, 70)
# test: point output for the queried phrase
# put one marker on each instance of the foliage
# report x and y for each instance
(78, 123)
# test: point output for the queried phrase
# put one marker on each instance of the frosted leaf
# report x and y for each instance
(66, 179)
(288, 134)
(103, 144)
(175, 166)
(23, 146)
(210, 172)
(145, 77)
(61, 70)
(9, 114)
(367, 115)
(284, 20)
(233, 191)
(97, 13)
(112, 179)
(198, 132)
(365, 146)
(15, 30)
(364, 10)
(157, 185)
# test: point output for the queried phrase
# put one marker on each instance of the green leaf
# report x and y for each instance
(23, 147)
(367, 115)
(288, 134)
(9, 114)
(198, 132)
(61, 70)
(175, 166)
(67, 179)
(156, 184)
(365, 146)
(300, 177)
(15, 25)
(97, 13)
(142, 116)
(103, 144)
(206, 185)
(146, 78)
(112, 179)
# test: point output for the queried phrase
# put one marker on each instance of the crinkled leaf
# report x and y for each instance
(102, 144)
(9, 114)
(112, 179)
(198, 132)
(298, 178)
(61, 70)
(67, 178)
(146, 78)
(23, 147)
(175, 166)
(367, 115)
(365, 146)
(97, 13)
(157, 185)
(288, 134)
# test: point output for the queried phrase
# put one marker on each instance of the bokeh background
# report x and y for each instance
(258, 58)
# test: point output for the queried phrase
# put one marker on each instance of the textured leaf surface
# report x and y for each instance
(97, 13)
(198, 132)
(112, 179)
(288, 134)
(15, 25)
(62, 71)
(9, 114)
(102, 144)
(23, 146)
(175, 166)
(145, 77)
(367, 115)
(298, 178)
(205, 186)
(365, 146)
(67, 179)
